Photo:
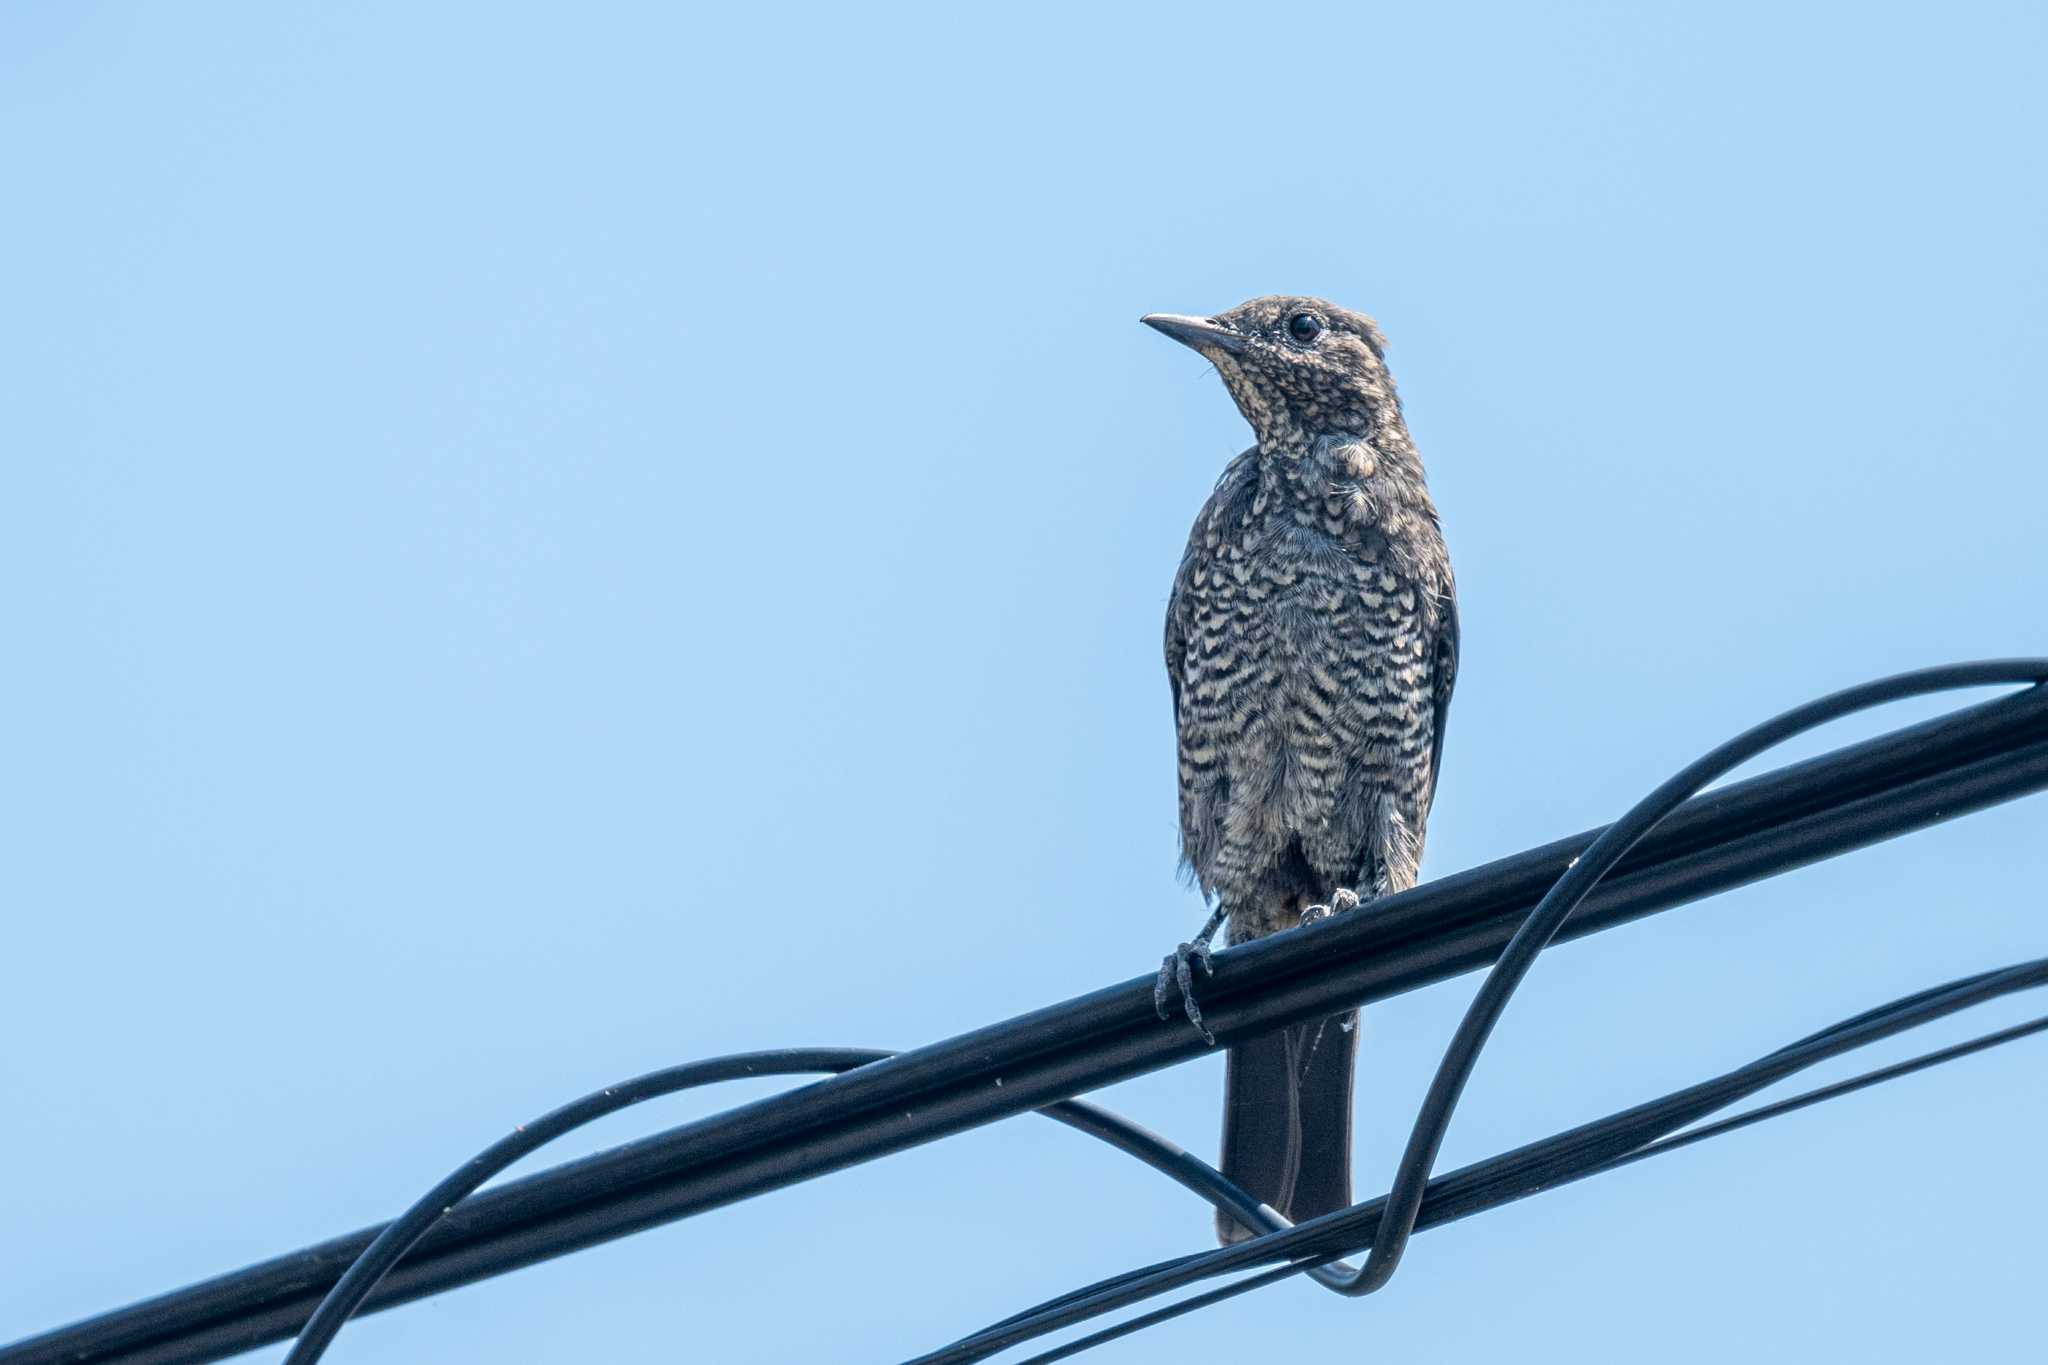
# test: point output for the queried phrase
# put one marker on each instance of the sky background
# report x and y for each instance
(538, 543)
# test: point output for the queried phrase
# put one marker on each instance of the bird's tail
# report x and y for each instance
(1287, 1119)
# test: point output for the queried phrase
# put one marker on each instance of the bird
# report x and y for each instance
(1312, 646)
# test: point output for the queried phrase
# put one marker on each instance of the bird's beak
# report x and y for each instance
(1200, 333)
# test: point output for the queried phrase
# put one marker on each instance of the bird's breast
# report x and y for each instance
(1302, 627)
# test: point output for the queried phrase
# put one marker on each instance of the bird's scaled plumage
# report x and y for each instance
(1312, 644)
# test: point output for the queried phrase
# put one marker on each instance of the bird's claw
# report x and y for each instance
(1340, 901)
(1178, 970)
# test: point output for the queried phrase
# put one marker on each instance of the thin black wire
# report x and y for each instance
(404, 1233)
(1981, 1043)
(1963, 992)
(1403, 1203)
(1604, 1144)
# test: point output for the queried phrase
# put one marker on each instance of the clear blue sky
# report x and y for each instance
(539, 542)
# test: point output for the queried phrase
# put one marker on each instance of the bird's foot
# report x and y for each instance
(1178, 972)
(1340, 900)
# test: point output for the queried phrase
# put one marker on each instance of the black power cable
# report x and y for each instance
(404, 1232)
(1404, 1202)
(1396, 1220)
(1846, 799)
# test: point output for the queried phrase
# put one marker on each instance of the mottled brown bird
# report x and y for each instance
(1312, 642)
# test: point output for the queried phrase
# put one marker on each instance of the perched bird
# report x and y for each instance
(1312, 642)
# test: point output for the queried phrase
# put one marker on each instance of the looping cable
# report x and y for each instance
(405, 1232)
(1415, 1200)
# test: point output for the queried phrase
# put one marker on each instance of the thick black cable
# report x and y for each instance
(1604, 1144)
(404, 1232)
(1846, 799)
(1207, 1298)
(1411, 1180)
(1403, 1203)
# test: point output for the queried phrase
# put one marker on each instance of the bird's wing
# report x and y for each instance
(1176, 618)
(1443, 677)
(1239, 477)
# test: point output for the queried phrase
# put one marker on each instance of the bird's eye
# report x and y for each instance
(1305, 327)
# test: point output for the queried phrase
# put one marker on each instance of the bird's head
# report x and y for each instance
(1298, 368)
